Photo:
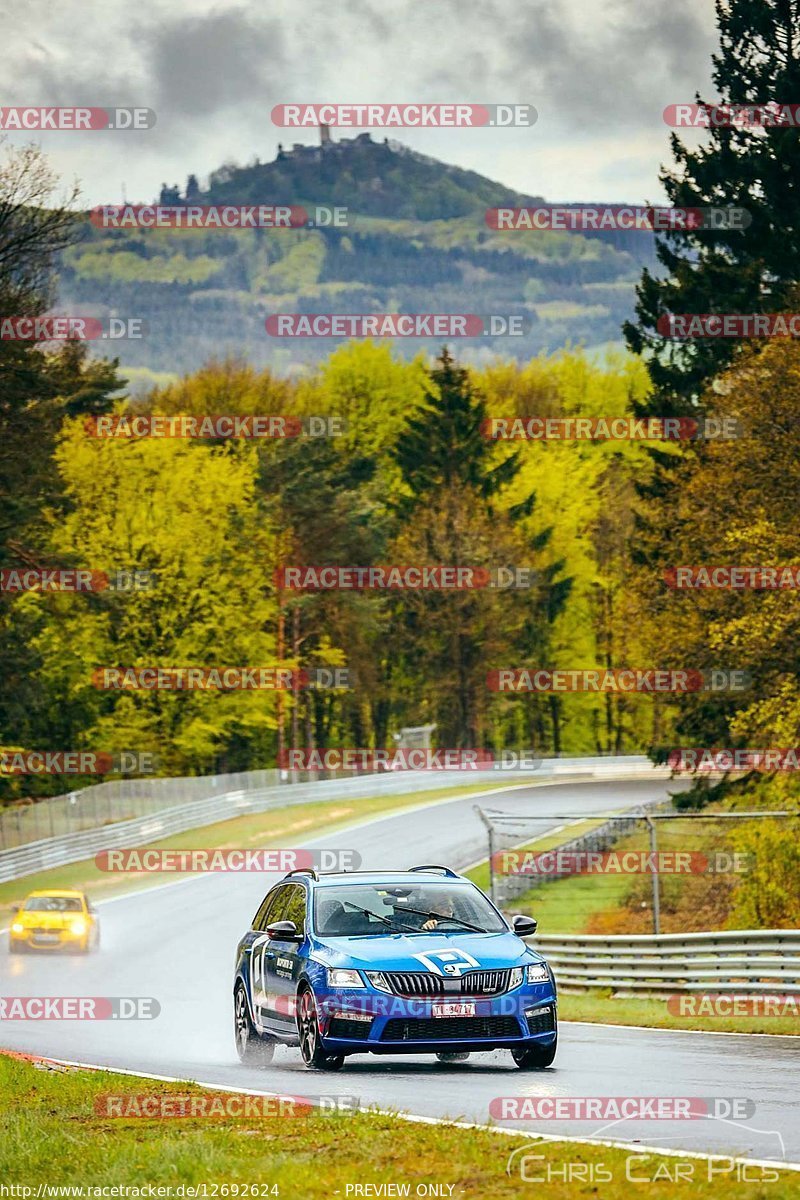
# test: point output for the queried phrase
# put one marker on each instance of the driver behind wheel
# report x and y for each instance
(442, 907)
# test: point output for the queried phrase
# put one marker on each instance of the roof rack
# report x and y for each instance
(303, 871)
(437, 867)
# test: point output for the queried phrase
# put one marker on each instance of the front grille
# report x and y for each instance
(412, 984)
(542, 1022)
(341, 1027)
(445, 1029)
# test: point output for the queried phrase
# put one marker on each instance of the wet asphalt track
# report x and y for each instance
(176, 942)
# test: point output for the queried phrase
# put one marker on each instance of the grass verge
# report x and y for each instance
(53, 1135)
(603, 1007)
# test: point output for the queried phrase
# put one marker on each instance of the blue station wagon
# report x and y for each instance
(390, 962)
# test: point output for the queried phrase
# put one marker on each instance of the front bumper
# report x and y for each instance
(352, 1021)
(49, 939)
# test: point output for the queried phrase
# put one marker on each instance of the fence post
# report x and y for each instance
(656, 890)
(490, 828)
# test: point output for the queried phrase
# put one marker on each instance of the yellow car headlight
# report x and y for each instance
(78, 926)
(17, 927)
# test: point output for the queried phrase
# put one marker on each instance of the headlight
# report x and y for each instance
(78, 926)
(515, 977)
(338, 978)
(17, 928)
(379, 981)
(538, 973)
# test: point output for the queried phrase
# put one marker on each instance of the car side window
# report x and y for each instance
(266, 912)
(296, 907)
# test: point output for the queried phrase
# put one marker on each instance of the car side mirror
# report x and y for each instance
(283, 931)
(524, 926)
(16, 907)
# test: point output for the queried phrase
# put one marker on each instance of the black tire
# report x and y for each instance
(535, 1058)
(253, 1049)
(312, 1050)
(454, 1056)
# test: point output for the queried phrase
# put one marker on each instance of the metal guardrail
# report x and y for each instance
(162, 822)
(114, 801)
(752, 962)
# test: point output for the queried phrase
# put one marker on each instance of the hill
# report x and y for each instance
(416, 241)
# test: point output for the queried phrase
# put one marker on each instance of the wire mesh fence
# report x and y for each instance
(630, 870)
(115, 801)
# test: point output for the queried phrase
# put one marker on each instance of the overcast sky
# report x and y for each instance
(600, 72)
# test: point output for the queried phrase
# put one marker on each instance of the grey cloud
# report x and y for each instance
(203, 64)
(623, 67)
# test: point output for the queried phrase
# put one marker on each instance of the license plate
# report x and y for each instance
(47, 937)
(455, 1009)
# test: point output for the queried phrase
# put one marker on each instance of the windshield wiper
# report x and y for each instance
(367, 912)
(439, 917)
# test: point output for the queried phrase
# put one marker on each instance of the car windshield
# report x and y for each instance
(54, 904)
(361, 910)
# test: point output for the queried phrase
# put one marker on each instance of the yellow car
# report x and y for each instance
(54, 921)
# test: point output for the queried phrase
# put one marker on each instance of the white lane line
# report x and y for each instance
(682, 1032)
(418, 1118)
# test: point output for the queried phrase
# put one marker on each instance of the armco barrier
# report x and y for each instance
(45, 853)
(752, 962)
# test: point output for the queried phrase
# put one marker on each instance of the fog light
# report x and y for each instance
(538, 1012)
(352, 1016)
(379, 981)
